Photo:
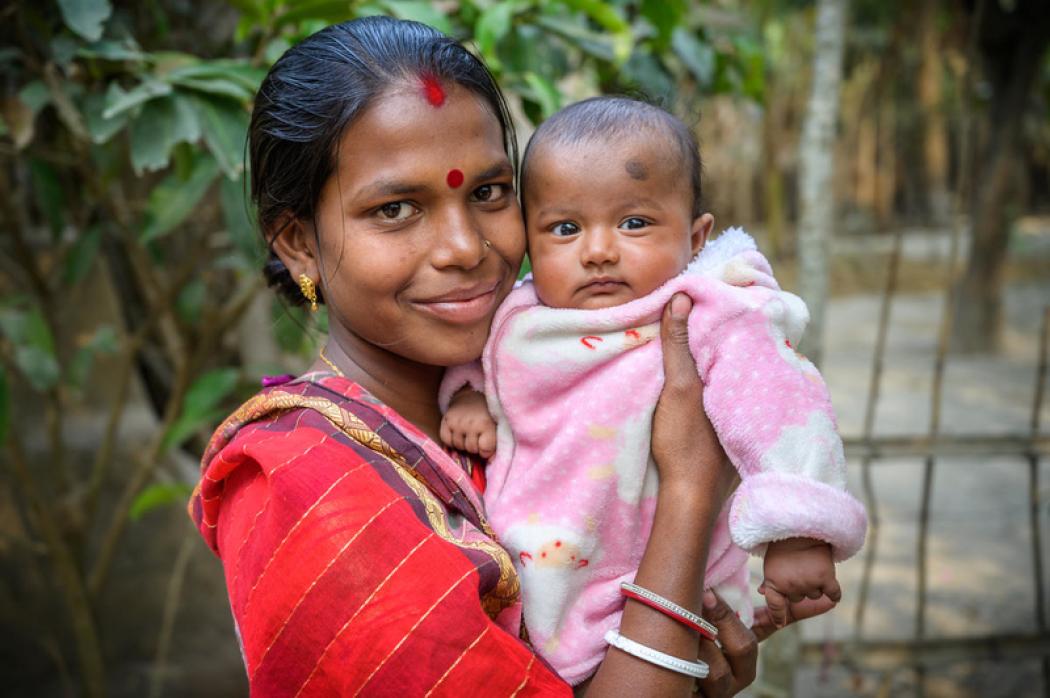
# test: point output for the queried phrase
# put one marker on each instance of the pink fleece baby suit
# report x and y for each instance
(572, 488)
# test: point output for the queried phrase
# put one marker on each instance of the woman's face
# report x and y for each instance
(420, 234)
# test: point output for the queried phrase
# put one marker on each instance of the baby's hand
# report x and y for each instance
(468, 426)
(797, 569)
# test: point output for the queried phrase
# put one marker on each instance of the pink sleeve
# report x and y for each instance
(773, 415)
(457, 377)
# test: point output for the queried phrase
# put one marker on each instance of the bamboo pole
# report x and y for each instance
(943, 340)
(874, 388)
(1033, 496)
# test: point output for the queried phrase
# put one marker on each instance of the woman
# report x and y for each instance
(356, 552)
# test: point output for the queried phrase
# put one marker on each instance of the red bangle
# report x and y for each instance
(669, 609)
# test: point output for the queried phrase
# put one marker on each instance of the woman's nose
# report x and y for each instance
(458, 240)
(599, 247)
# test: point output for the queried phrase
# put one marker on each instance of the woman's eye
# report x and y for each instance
(635, 223)
(565, 229)
(396, 211)
(489, 192)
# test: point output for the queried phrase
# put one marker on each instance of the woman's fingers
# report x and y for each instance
(734, 665)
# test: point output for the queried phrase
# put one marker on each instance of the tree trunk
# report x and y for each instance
(816, 168)
(1011, 46)
(934, 125)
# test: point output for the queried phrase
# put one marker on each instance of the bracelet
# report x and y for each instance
(695, 669)
(669, 608)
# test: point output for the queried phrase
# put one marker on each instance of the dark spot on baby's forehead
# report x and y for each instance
(637, 170)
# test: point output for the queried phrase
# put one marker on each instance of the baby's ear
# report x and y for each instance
(702, 226)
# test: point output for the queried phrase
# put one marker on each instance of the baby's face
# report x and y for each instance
(608, 222)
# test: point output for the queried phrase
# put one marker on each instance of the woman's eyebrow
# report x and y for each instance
(499, 169)
(391, 187)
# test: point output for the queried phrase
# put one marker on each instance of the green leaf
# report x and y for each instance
(545, 93)
(35, 95)
(187, 123)
(492, 25)
(591, 43)
(153, 135)
(34, 347)
(215, 86)
(118, 101)
(64, 49)
(601, 12)
(40, 369)
(698, 57)
(664, 15)
(233, 71)
(99, 127)
(126, 50)
(424, 12)
(47, 191)
(191, 300)
(239, 220)
(102, 341)
(330, 11)
(37, 333)
(86, 17)
(157, 496)
(225, 127)
(644, 71)
(210, 389)
(81, 256)
(5, 406)
(174, 199)
(200, 408)
(13, 324)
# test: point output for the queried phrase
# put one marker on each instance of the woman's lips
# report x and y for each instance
(462, 306)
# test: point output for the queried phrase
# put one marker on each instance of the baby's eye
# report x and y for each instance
(489, 192)
(396, 211)
(565, 229)
(634, 223)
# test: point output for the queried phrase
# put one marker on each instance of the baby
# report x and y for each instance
(568, 382)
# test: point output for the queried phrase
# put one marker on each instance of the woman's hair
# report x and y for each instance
(318, 88)
(609, 118)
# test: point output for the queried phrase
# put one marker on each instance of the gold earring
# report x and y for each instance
(309, 291)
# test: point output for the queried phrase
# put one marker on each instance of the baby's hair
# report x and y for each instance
(608, 118)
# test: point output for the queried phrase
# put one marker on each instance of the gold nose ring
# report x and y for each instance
(488, 243)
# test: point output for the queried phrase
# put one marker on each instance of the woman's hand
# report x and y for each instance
(685, 447)
(733, 666)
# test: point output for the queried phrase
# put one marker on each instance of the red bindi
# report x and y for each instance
(433, 90)
(454, 178)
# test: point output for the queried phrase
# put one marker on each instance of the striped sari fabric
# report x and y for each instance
(357, 556)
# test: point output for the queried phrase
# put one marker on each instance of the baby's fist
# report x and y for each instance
(797, 569)
(468, 426)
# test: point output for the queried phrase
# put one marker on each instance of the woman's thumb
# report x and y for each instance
(674, 333)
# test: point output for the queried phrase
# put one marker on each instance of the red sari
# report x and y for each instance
(357, 556)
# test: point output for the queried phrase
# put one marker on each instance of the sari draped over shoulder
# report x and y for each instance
(357, 555)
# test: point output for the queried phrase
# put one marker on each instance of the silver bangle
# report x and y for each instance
(672, 609)
(695, 669)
